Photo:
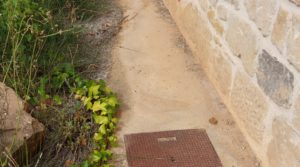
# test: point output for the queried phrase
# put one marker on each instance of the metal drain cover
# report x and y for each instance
(179, 148)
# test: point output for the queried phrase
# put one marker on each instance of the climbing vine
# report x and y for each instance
(98, 101)
(102, 103)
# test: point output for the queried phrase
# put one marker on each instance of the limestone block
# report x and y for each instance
(222, 12)
(262, 13)
(243, 42)
(296, 119)
(280, 30)
(293, 49)
(215, 22)
(250, 106)
(220, 72)
(235, 3)
(284, 149)
(275, 79)
(196, 32)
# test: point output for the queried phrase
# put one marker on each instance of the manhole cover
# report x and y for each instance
(179, 148)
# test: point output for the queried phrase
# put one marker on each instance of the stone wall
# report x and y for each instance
(250, 50)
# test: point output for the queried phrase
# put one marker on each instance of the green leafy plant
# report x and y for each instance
(102, 103)
(97, 101)
(36, 59)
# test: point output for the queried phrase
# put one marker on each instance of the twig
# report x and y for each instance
(38, 161)
(122, 47)
(57, 33)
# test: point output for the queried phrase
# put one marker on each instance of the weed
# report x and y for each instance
(36, 60)
(90, 119)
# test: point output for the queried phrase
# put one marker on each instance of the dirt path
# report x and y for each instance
(161, 87)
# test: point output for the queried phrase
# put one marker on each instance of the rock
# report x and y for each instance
(215, 22)
(262, 13)
(280, 30)
(250, 105)
(235, 3)
(18, 131)
(296, 117)
(222, 12)
(293, 49)
(284, 148)
(220, 72)
(243, 41)
(275, 79)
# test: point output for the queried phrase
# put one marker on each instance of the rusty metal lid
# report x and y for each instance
(179, 148)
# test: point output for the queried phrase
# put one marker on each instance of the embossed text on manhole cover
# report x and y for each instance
(179, 148)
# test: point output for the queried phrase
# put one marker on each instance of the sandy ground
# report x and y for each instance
(161, 87)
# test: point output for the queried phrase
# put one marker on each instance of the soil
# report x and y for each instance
(162, 88)
(96, 42)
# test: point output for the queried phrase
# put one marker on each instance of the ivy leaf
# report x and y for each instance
(113, 140)
(104, 113)
(87, 102)
(107, 90)
(109, 110)
(102, 129)
(97, 106)
(96, 156)
(112, 101)
(93, 90)
(98, 137)
(80, 91)
(106, 154)
(101, 119)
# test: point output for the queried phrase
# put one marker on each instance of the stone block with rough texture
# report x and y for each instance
(275, 79)
(284, 149)
(222, 12)
(215, 22)
(280, 30)
(235, 3)
(220, 71)
(200, 39)
(243, 41)
(262, 13)
(250, 105)
(293, 48)
(296, 119)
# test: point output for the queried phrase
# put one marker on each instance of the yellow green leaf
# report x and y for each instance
(101, 119)
(94, 90)
(112, 101)
(98, 106)
(102, 129)
(98, 137)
